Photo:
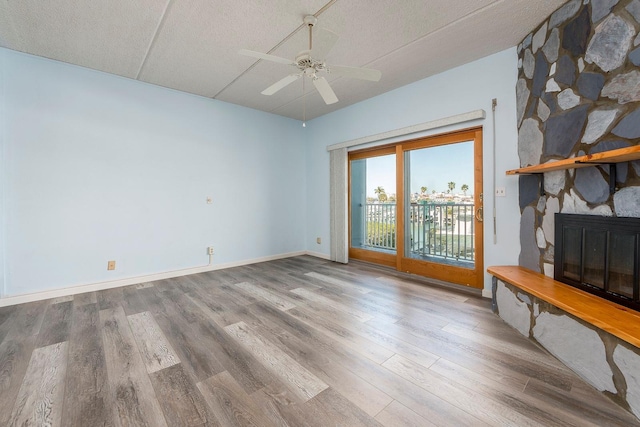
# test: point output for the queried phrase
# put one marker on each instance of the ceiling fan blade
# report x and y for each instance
(281, 84)
(325, 90)
(356, 73)
(266, 57)
(323, 42)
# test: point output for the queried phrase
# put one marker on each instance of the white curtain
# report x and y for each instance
(339, 192)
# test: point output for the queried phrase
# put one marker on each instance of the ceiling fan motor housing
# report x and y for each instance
(307, 64)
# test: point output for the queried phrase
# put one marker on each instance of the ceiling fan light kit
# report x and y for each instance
(311, 62)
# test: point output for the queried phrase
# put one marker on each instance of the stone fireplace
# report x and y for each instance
(578, 93)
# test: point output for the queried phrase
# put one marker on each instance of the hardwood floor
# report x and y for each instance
(297, 342)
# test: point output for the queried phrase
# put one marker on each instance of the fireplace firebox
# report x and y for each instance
(599, 255)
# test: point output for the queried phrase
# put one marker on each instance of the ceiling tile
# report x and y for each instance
(111, 36)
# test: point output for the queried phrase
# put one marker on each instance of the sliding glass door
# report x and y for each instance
(417, 206)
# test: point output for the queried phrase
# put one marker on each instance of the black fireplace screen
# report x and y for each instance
(599, 255)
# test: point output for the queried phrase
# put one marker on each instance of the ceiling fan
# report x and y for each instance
(311, 63)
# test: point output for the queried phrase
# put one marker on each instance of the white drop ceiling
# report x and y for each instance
(192, 45)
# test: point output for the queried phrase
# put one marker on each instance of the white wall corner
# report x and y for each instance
(3, 170)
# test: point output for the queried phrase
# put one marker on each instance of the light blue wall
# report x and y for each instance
(3, 54)
(463, 89)
(97, 167)
(102, 168)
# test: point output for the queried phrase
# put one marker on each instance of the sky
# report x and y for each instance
(431, 167)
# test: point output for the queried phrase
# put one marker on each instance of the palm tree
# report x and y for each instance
(451, 186)
(464, 188)
(423, 190)
(382, 195)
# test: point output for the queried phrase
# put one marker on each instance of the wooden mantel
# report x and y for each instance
(620, 155)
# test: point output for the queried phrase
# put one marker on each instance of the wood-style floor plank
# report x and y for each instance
(231, 404)
(6, 313)
(278, 408)
(56, 324)
(156, 351)
(135, 401)
(62, 299)
(344, 284)
(588, 414)
(192, 349)
(258, 292)
(504, 389)
(246, 370)
(87, 400)
(330, 304)
(26, 321)
(331, 408)
(398, 415)
(319, 359)
(182, 403)
(364, 333)
(293, 342)
(86, 298)
(470, 401)
(302, 382)
(132, 301)
(41, 395)
(14, 359)
(553, 375)
(109, 298)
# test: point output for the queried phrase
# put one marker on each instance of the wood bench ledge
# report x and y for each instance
(614, 318)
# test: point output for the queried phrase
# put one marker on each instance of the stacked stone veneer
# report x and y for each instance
(609, 364)
(578, 92)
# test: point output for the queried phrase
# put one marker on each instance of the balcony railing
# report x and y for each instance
(442, 230)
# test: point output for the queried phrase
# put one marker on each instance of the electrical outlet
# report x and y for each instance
(111, 265)
(210, 250)
(319, 240)
(501, 192)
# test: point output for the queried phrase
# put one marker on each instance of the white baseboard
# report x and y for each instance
(92, 287)
(318, 255)
(486, 293)
(257, 260)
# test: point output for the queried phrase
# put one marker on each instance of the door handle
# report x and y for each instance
(480, 214)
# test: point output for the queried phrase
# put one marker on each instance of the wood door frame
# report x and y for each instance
(463, 276)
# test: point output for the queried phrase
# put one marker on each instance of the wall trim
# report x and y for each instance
(318, 255)
(92, 287)
(433, 124)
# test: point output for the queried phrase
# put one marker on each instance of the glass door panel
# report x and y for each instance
(372, 206)
(439, 204)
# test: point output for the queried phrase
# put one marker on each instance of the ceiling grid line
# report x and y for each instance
(154, 38)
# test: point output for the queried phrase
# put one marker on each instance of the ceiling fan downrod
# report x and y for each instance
(310, 20)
